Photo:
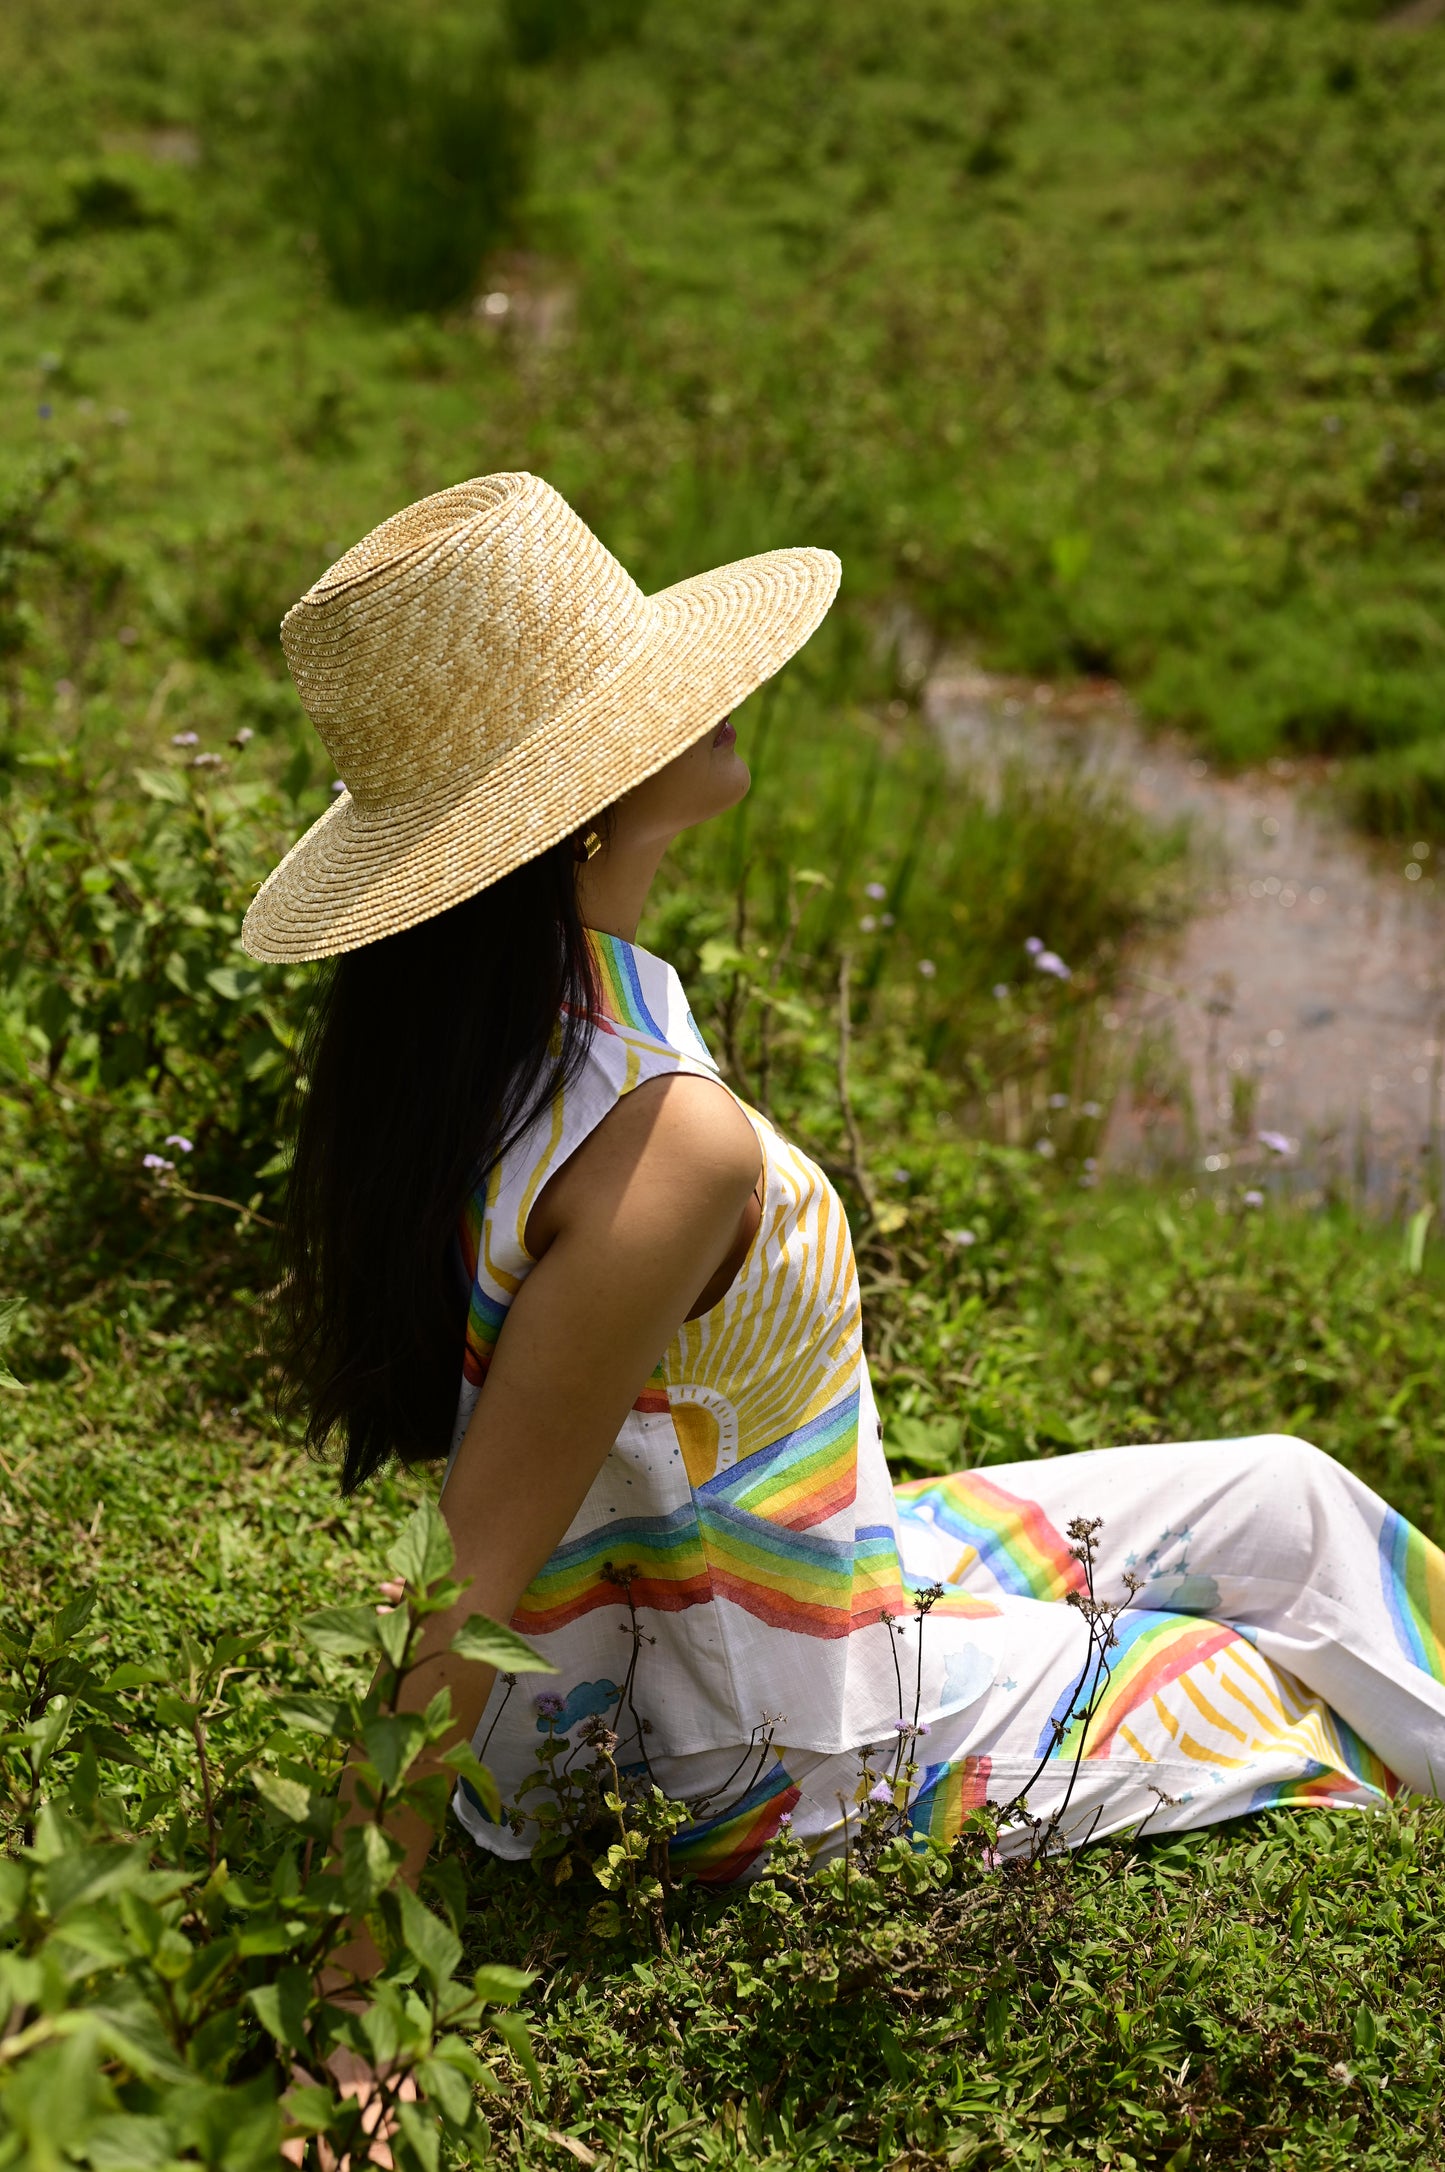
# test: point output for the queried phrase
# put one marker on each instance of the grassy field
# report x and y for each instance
(1107, 340)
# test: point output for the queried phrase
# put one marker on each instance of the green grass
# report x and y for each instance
(1268, 1994)
(1110, 339)
(1114, 336)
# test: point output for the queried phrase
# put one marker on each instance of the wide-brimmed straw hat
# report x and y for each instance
(486, 677)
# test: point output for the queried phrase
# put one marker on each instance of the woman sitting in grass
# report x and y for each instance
(532, 1230)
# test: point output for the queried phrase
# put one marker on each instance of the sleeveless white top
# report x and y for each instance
(746, 1510)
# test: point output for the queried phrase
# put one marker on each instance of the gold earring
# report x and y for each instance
(587, 846)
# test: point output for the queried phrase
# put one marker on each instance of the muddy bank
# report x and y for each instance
(1294, 1030)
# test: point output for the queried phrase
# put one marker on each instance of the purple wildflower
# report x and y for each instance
(1276, 1142)
(1254, 1199)
(927, 968)
(1049, 961)
(338, 784)
(1033, 945)
(881, 1792)
(876, 890)
(1001, 990)
(174, 1138)
(547, 1705)
(992, 1860)
(155, 1161)
(785, 1819)
(185, 739)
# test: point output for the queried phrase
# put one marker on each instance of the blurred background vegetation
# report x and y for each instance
(1100, 341)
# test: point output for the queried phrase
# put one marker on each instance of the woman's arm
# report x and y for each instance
(627, 1234)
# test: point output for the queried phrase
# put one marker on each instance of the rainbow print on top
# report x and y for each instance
(620, 986)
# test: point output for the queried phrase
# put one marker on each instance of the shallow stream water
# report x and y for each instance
(1295, 1025)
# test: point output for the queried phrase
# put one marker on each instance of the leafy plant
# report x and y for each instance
(175, 1877)
(412, 156)
(542, 30)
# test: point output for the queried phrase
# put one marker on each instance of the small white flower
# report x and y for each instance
(868, 923)
(927, 968)
(1254, 1199)
(1033, 944)
(1002, 990)
(185, 739)
(1277, 1142)
(876, 890)
(1045, 1147)
(963, 1237)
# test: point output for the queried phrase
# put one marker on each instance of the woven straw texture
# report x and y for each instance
(486, 677)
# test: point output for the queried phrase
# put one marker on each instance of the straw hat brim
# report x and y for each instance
(358, 874)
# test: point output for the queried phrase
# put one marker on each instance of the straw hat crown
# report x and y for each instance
(444, 636)
(487, 677)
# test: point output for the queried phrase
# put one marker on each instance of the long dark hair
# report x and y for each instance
(426, 1053)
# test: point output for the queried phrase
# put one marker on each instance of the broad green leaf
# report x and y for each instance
(309, 2110)
(424, 1552)
(430, 1941)
(465, 1763)
(342, 1632)
(167, 785)
(233, 981)
(392, 1740)
(501, 1986)
(447, 2089)
(421, 2135)
(368, 1860)
(312, 1712)
(393, 1632)
(517, 2037)
(287, 1797)
(174, 1711)
(131, 2142)
(491, 1645)
(134, 1674)
(89, 1873)
(96, 1931)
(72, 1617)
(134, 2034)
(282, 2006)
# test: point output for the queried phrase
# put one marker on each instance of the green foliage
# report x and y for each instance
(542, 30)
(168, 1897)
(411, 153)
(1264, 1995)
(1114, 341)
(1400, 793)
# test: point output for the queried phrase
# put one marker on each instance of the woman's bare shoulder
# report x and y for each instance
(681, 1141)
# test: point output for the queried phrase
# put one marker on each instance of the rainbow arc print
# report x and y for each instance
(1008, 1540)
(1412, 1579)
